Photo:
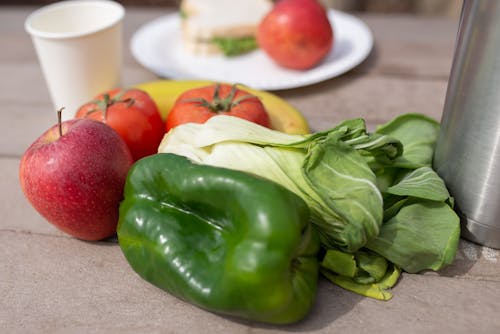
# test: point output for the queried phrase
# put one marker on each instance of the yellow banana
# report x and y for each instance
(284, 117)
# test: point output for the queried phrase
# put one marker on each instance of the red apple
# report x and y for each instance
(296, 34)
(74, 175)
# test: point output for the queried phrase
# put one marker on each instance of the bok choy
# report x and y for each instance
(329, 170)
(374, 199)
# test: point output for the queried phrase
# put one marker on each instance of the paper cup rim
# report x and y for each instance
(120, 13)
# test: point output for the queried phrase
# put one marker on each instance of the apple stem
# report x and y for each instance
(59, 120)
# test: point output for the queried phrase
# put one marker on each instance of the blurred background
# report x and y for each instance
(449, 8)
(420, 7)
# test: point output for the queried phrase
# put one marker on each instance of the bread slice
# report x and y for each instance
(207, 21)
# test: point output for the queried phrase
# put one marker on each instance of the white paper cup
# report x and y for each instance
(79, 47)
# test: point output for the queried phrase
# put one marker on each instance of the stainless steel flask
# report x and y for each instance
(467, 153)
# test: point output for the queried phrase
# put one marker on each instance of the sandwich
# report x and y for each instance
(228, 27)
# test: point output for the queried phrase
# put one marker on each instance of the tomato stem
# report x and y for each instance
(107, 101)
(219, 104)
(104, 107)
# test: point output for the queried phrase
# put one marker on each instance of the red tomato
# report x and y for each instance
(197, 105)
(133, 114)
(296, 34)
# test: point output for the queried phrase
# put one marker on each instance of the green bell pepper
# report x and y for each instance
(224, 240)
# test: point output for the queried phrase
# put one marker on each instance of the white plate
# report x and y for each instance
(157, 45)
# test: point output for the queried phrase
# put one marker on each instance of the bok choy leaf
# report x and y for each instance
(418, 134)
(422, 235)
(420, 229)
